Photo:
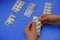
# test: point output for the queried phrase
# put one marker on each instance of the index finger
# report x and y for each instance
(28, 27)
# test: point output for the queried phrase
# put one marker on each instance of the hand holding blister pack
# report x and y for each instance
(47, 10)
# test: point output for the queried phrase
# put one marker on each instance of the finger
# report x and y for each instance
(33, 28)
(42, 18)
(50, 22)
(28, 27)
(44, 22)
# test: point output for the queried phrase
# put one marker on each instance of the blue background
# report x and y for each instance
(16, 30)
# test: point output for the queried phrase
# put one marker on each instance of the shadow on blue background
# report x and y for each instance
(16, 30)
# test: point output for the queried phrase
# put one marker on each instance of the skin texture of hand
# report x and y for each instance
(49, 19)
(30, 31)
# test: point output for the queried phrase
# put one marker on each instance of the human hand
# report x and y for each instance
(30, 31)
(49, 19)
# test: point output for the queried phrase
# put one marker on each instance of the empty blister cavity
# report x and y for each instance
(38, 32)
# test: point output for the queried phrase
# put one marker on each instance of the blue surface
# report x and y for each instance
(16, 30)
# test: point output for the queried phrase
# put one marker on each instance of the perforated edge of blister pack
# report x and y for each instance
(18, 6)
(29, 10)
(10, 20)
(47, 8)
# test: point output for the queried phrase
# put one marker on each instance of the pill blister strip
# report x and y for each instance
(47, 9)
(29, 10)
(18, 6)
(38, 25)
(10, 20)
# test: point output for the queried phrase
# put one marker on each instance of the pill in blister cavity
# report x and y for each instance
(10, 20)
(30, 9)
(18, 6)
(47, 9)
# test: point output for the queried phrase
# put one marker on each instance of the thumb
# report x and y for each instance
(33, 27)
